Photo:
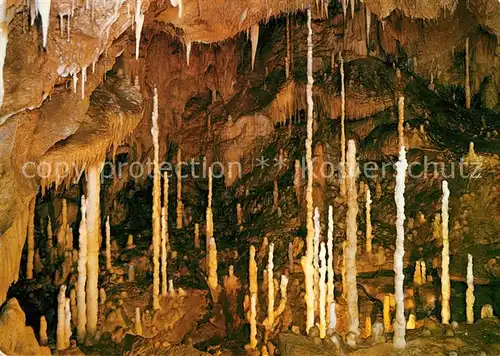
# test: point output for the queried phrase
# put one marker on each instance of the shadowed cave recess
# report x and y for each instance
(261, 177)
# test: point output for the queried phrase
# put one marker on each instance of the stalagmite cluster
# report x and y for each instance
(445, 255)
(156, 203)
(400, 324)
(470, 299)
(351, 233)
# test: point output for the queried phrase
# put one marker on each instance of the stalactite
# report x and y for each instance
(351, 232)
(387, 313)
(322, 291)
(330, 299)
(43, 7)
(467, 75)
(139, 21)
(401, 111)
(164, 236)
(43, 331)
(31, 240)
(470, 291)
(342, 127)
(213, 282)
(180, 207)
(253, 287)
(368, 14)
(254, 38)
(353, 7)
(270, 290)
(61, 319)
(84, 80)
(82, 273)
(156, 203)
(400, 324)
(93, 239)
(369, 236)
(344, 9)
(181, 8)
(445, 264)
(4, 37)
(188, 52)
(108, 245)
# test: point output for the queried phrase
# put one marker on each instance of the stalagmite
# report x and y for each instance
(4, 37)
(445, 255)
(62, 230)
(61, 319)
(368, 326)
(239, 216)
(254, 38)
(486, 311)
(43, 7)
(470, 291)
(164, 236)
(180, 207)
(139, 21)
(188, 52)
(275, 195)
(369, 235)
(400, 324)
(138, 321)
(50, 234)
(307, 261)
(316, 265)
(74, 310)
(342, 127)
(108, 245)
(84, 80)
(156, 203)
(213, 283)
(343, 270)
(351, 232)
(253, 287)
(410, 324)
(93, 239)
(75, 81)
(209, 228)
(43, 331)
(197, 243)
(130, 241)
(423, 272)
(467, 75)
(417, 275)
(387, 313)
(322, 291)
(67, 323)
(297, 180)
(31, 240)
(82, 274)
(330, 299)
(270, 289)
(401, 112)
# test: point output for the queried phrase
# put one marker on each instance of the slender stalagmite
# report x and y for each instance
(31, 240)
(67, 323)
(93, 239)
(330, 298)
(351, 232)
(209, 229)
(180, 207)
(322, 291)
(467, 75)
(369, 235)
(445, 264)
(307, 261)
(317, 233)
(213, 282)
(108, 245)
(253, 286)
(156, 203)
(61, 319)
(138, 321)
(43, 331)
(164, 236)
(270, 289)
(342, 129)
(470, 291)
(387, 313)
(400, 324)
(82, 274)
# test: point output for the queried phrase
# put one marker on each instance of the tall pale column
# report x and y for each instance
(156, 203)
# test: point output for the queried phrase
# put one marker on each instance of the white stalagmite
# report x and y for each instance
(213, 282)
(307, 260)
(84, 80)
(445, 255)
(156, 203)
(423, 272)
(93, 239)
(82, 274)
(342, 127)
(254, 38)
(330, 299)
(400, 324)
(253, 287)
(188, 52)
(61, 319)
(470, 291)
(369, 235)
(351, 232)
(43, 7)
(164, 236)
(317, 233)
(4, 37)
(180, 207)
(139, 21)
(75, 81)
(322, 291)
(270, 288)
(108, 245)
(31, 240)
